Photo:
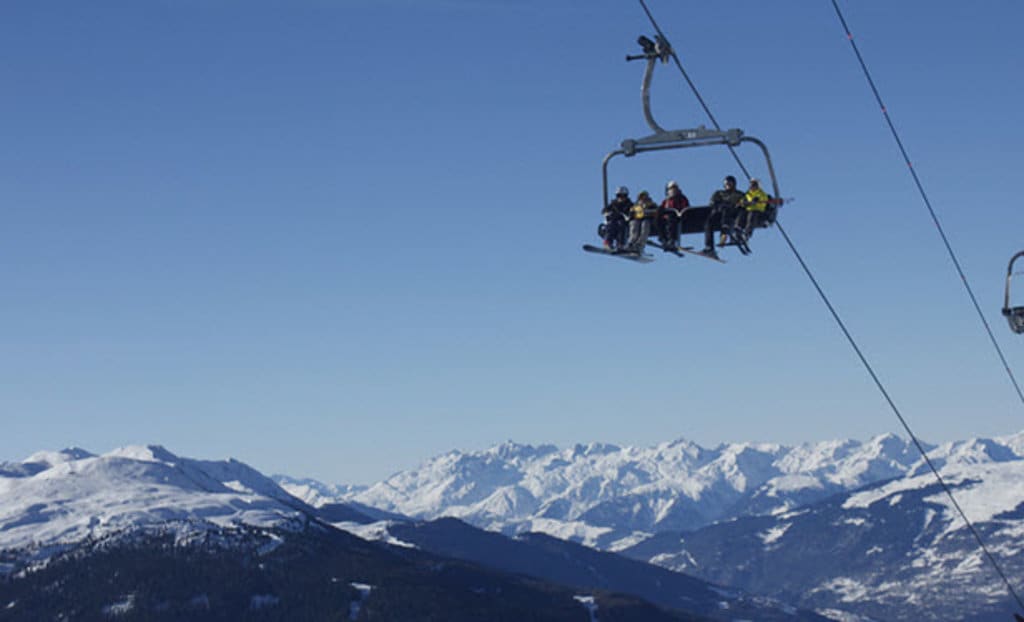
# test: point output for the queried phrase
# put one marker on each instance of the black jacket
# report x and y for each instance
(726, 198)
(618, 207)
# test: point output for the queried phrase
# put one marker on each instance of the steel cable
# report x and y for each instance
(927, 202)
(842, 326)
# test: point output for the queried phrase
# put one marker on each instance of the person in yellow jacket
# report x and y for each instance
(640, 216)
(755, 205)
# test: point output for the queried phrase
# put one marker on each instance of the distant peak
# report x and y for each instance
(511, 449)
(888, 443)
(77, 453)
(147, 453)
(52, 458)
(975, 450)
(684, 445)
(888, 437)
(591, 449)
(508, 446)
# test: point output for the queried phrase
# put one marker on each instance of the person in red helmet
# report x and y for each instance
(669, 215)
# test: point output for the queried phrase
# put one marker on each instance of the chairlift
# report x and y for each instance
(1014, 315)
(694, 218)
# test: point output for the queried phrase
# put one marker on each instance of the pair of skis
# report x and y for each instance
(682, 251)
(738, 238)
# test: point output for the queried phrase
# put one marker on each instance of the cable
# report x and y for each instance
(928, 203)
(849, 336)
(899, 415)
(693, 87)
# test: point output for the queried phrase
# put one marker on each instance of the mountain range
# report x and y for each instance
(141, 533)
(841, 526)
(840, 530)
(610, 497)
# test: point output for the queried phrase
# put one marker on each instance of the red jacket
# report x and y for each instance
(677, 204)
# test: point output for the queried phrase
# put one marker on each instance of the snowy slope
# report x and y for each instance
(53, 500)
(897, 550)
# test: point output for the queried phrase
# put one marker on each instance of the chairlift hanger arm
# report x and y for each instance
(656, 50)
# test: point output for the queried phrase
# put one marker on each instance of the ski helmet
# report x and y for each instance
(622, 191)
(671, 184)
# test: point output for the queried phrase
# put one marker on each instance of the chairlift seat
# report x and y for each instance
(1015, 316)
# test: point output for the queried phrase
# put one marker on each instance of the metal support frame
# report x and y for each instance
(685, 139)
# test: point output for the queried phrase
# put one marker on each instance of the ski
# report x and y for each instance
(632, 256)
(691, 250)
(739, 240)
(682, 251)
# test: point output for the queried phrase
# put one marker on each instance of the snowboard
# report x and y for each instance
(637, 257)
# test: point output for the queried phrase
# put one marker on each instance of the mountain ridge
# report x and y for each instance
(606, 495)
(85, 516)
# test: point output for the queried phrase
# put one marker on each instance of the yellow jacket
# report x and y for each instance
(638, 211)
(755, 200)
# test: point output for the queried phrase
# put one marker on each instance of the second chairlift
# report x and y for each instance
(1014, 315)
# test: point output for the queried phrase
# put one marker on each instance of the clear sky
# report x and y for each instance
(336, 237)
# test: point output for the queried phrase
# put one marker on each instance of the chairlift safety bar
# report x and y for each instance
(684, 139)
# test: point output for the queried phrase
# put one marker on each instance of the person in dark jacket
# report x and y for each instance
(616, 215)
(669, 214)
(722, 217)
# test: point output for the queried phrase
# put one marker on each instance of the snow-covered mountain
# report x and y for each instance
(611, 497)
(851, 528)
(154, 514)
(843, 527)
(313, 492)
(54, 500)
(896, 550)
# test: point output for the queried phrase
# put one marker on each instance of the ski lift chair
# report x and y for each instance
(1014, 315)
(694, 218)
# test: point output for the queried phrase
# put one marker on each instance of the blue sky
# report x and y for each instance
(335, 237)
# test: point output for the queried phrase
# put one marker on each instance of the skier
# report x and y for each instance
(724, 207)
(669, 214)
(640, 222)
(755, 204)
(615, 215)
